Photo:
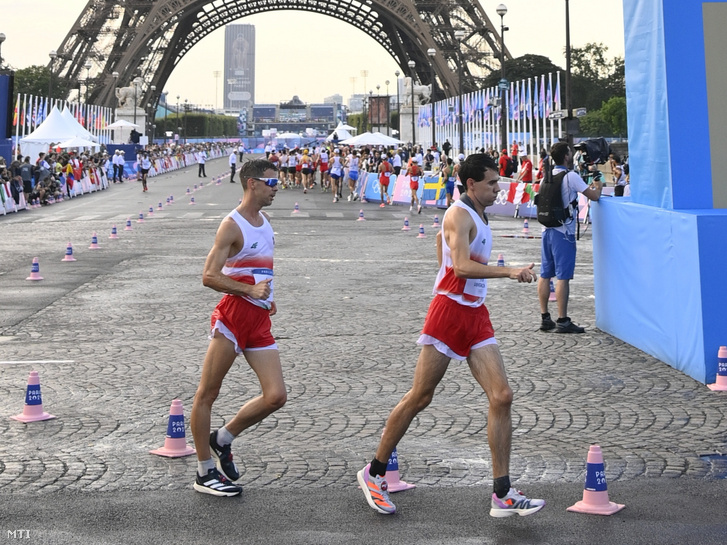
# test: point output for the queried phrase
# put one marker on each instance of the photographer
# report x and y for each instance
(558, 247)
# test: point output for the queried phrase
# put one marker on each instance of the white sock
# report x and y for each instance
(204, 466)
(224, 437)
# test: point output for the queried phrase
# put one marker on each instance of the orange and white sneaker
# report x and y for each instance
(515, 503)
(376, 492)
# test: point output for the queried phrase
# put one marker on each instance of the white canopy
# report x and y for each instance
(78, 142)
(53, 129)
(371, 139)
(78, 129)
(122, 123)
(345, 127)
(342, 134)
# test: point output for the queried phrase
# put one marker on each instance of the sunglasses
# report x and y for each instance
(270, 182)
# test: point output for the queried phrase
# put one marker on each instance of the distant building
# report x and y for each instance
(294, 116)
(333, 99)
(239, 76)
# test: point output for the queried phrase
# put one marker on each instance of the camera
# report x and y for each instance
(591, 153)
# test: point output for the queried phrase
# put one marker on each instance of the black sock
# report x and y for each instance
(545, 316)
(562, 320)
(501, 486)
(377, 468)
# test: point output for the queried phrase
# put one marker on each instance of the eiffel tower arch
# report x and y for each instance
(149, 38)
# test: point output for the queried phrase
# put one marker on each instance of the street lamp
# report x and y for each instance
(378, 107)
(459, 36)
(186, 107)
(371, 113)
(2, 39)
(412, 65)
(53, 54)
(398, 104)
(87, 66)
(431, 52)
(179, 129)
(388, 117)
(501, 11)
(136, 82)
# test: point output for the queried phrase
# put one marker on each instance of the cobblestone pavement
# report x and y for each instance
(121, 332)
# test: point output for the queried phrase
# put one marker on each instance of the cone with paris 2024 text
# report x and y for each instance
(393, 480)
(175, 443)
(33, 410)
(595, 492)
(721, 381)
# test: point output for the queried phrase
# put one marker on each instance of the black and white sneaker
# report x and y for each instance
(216, 484)
(223, 457)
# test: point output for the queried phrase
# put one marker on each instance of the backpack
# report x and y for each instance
(549, 201)
(509, 168)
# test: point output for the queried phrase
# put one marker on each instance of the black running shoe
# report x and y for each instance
(216, 484)
(547, 324)
(568, 327)
(223, 456)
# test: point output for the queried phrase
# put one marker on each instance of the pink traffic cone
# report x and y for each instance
(436, 222)
(69, 253)
(160, 206)
(721, 384)
(33, 409)
(113, 234)
(94, 242)
(151, 211)
(296, 208)
(175, 443)
(552, 297)
(140, 219)
(595, 494)
(191, 200)
(526, 229)
(128, 225)
(35, 271)
(394, 482)
(361, 216)
(406, 225)
(421, 231)
(500, 260)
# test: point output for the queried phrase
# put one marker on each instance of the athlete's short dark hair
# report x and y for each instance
(475, 166)
(255, 168)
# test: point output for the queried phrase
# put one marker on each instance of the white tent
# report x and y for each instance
(121, 124)
(342, 134)
(79, 130)
(371, 139)
(53, 129)
(78, 142)
(345, 127)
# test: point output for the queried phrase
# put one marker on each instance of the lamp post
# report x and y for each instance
(388, 117)
(431, 52)
(378, 107)
(459, 36)
(116, 80)
(186, 107)
(371, 113)
(179, 128)
(501, 11)
(568, 105)
(87, 66)
(412, 65)
(2, 39)
(398, 104)
(136, 82)
(53, 54)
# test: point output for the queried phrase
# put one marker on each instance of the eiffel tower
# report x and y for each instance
(114, 41)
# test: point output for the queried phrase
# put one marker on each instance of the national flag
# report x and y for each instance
(520, 192)
(557, 92)
(488, 103)
(541, 99)
(529, 103)
(549, 97)
(15, 115)
(516, 103)
(536, 102)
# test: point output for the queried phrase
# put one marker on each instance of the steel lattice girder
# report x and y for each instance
(137, 37)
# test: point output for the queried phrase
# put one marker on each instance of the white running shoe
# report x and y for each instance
(515, 503)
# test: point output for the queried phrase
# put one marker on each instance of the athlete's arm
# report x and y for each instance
(459, 227)
(228, 242)
(439, 247)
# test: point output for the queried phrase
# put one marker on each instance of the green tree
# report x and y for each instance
(614, 114)
(593, 125)
(34, 80)
(524, 67)
(595, 79)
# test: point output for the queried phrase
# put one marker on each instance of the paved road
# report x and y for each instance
(120, 333)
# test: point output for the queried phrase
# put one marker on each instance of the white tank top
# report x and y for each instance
(254, 262)
(469, 292)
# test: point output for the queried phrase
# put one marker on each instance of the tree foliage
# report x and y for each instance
(197, 125)
(524, 67)
(34, 80)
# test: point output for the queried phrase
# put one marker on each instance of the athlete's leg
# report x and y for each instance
(429, 371)
(266, 364)
(489, 371)
(220, 356)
